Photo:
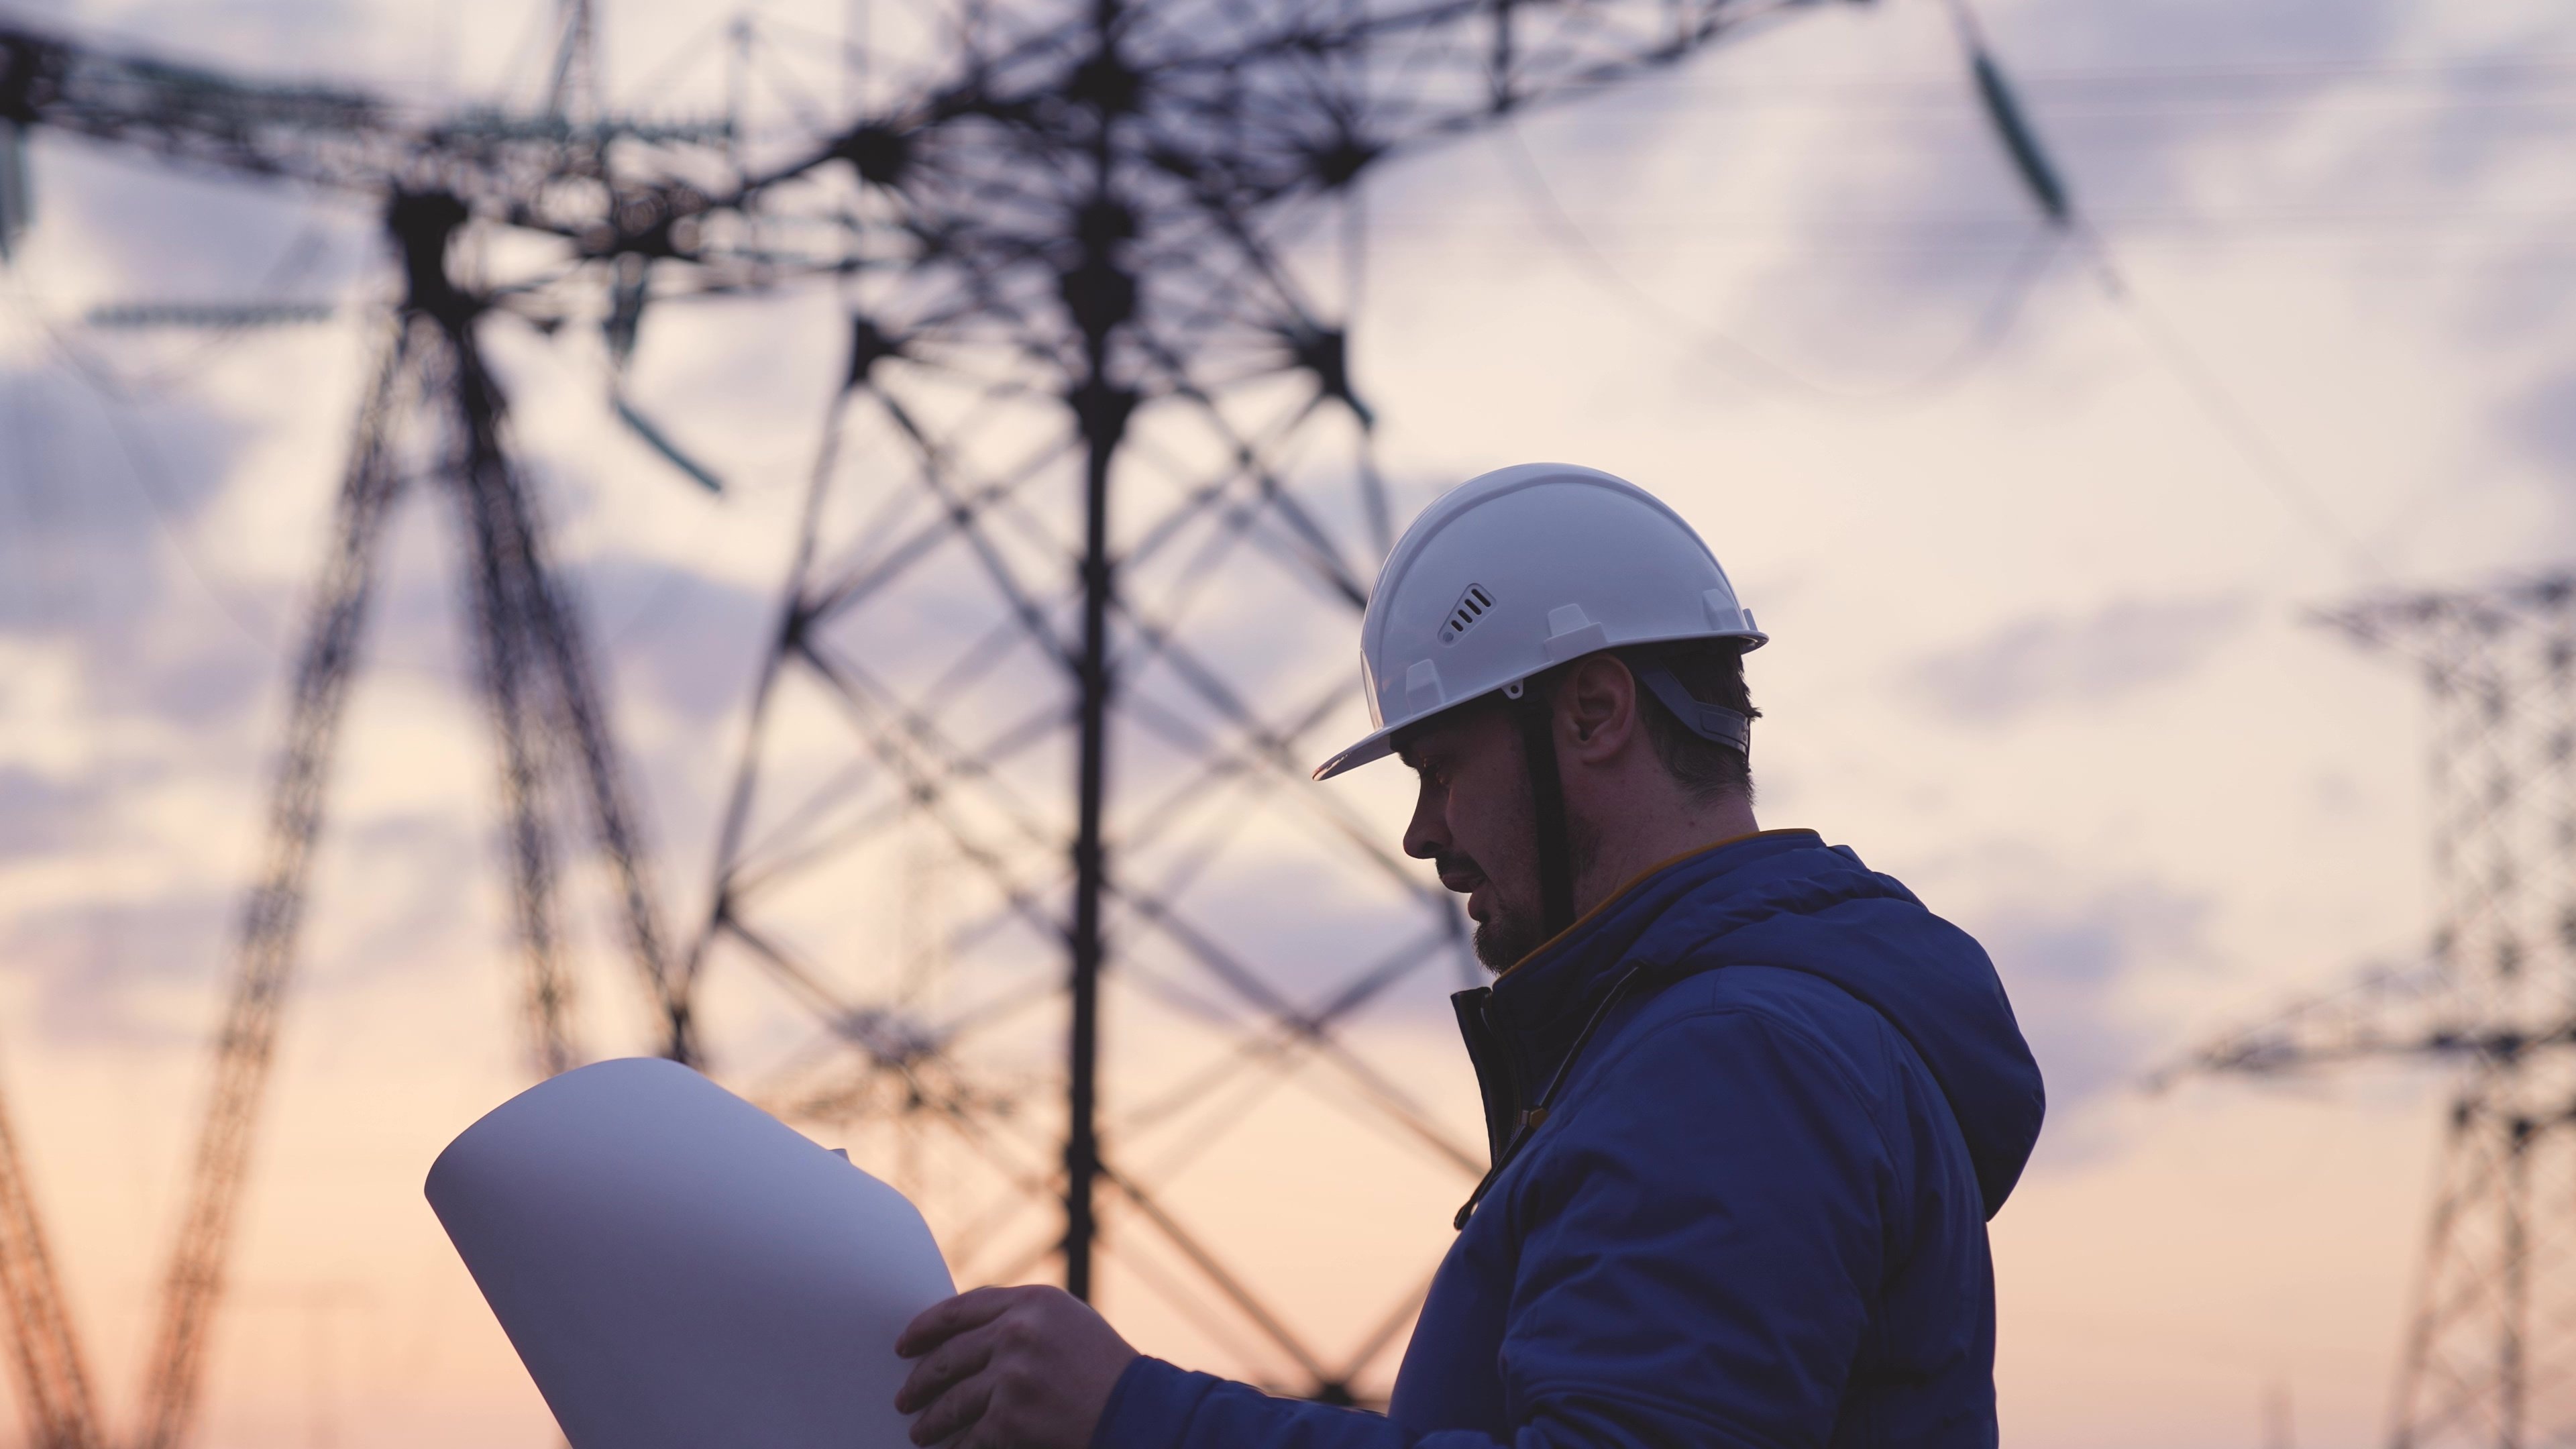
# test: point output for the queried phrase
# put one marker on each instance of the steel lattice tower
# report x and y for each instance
(2490, 1358)
(434, 413)
(1086, 384)
(1069, 525)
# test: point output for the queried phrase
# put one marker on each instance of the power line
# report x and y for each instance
(2233, 421)
(2467, 81)
(1992, 324)
(1995, 95)
(144, 469)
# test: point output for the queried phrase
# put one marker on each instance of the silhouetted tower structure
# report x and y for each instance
(1067, 261)
(434, 412)
(2489, 1361)
(539, 689)
(1068, 527)
(53, 1381)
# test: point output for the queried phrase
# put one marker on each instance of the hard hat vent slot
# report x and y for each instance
(1471, 606)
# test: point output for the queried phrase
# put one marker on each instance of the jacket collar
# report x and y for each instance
(1519, 1028)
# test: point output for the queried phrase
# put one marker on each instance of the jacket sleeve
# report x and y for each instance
(1158, 1406)
(1701, 1242)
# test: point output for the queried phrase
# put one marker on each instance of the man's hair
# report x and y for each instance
(1712, 670)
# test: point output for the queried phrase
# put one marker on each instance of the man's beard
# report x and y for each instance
(1504, 938)
(1506, 935)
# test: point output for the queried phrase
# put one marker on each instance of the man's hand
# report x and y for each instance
(1010, 1368)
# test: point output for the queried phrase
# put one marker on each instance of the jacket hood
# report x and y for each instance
(1786, 899)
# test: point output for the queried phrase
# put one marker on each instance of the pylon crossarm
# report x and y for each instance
(2388, 1013)
(197, 117)
(1489, 53)
(344, 139)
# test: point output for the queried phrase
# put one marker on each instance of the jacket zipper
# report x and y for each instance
(1527, 1121)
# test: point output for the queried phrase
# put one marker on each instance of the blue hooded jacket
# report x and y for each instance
(1779, 1099)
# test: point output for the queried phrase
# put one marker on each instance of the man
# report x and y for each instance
(1751, 1105)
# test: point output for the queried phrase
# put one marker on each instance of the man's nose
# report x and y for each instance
(1426, 835)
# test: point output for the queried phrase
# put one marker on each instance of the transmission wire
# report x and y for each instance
(1985, 337)
(150, 478)
(2228, 414)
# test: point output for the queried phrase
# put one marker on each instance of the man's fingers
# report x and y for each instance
(954, 1413)
(988, 1432)
(957, 1359)
(943, 1321)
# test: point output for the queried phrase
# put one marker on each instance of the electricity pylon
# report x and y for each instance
(1069, 259)
(540, 689)
(434, 410)
(2489, 1361)
(1067, 530)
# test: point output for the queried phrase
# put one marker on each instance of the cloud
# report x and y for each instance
(40, 814)
(2044, 660)
(685, 638)
(89, 491)
(119, 968)
(99, 963)
(2067, 965)
(2542, 421)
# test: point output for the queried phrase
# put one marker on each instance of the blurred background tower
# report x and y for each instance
(1067, 521)
(1096, 507)
(434, 413)
(2489, 1361)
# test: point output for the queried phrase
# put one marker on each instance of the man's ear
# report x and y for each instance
(1596, 708)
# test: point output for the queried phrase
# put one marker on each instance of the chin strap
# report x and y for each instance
(1537, 714)
(1536, 711)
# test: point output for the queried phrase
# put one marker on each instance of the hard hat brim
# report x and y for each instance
(1377, 746)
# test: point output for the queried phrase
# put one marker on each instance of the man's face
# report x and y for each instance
(1472, 819)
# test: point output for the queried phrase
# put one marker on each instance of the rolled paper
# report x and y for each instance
(680, 1270)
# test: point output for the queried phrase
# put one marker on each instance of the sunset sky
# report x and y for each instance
(2041, 622)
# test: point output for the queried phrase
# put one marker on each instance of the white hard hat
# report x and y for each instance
(1521, 569)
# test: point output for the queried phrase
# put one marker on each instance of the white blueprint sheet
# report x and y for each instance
(680, 1270)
